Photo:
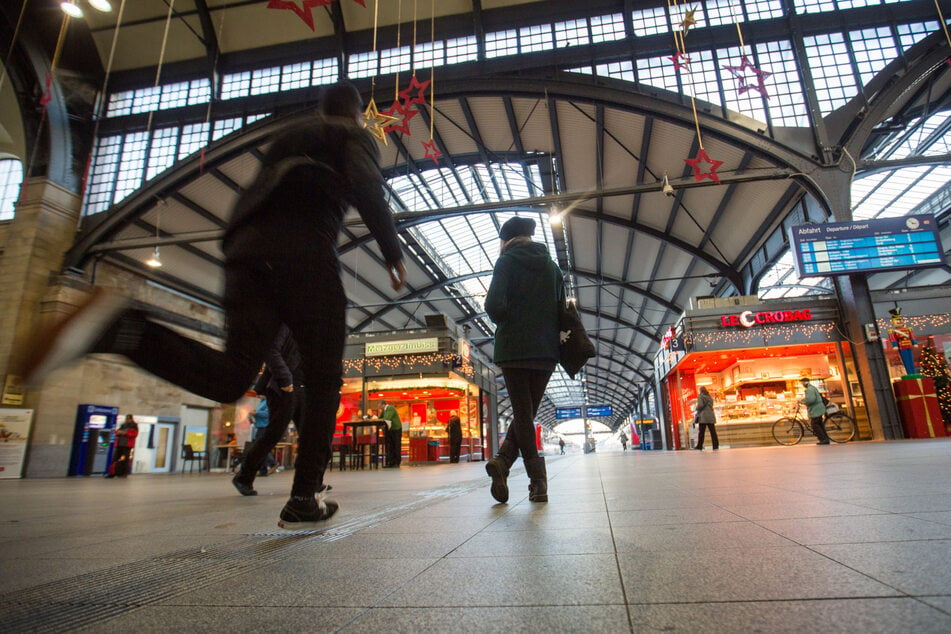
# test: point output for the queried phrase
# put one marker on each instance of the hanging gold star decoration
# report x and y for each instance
(376, 122)
(689, 20)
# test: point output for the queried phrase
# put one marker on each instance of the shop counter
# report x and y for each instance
(436, 449)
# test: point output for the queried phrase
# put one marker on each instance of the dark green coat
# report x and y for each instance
(523, 301)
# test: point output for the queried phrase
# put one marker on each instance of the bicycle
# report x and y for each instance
(789, 430)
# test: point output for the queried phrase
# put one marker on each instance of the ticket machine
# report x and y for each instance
(92, 439)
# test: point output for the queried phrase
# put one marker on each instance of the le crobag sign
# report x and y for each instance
(748, 318)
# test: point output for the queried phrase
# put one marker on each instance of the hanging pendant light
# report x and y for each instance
(101, 5)
(155, 261)
(71, 9)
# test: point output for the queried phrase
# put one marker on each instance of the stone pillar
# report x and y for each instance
(43, 229)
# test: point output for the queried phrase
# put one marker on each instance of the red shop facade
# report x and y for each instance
(750, 356)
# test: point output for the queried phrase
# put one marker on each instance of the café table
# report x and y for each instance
(354, 428)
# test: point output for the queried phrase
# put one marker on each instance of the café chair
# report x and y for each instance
(190, 456)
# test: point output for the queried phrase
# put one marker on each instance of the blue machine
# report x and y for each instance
(92, 439)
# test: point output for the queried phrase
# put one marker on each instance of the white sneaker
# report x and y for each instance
(74, 336)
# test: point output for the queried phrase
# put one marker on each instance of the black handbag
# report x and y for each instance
(575, 348)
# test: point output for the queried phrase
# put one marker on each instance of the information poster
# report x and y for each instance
(14, 434)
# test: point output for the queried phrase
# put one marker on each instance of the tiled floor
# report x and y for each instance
(852, 538)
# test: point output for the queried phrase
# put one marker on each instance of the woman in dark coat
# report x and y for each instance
(523, 299)
(706, 418)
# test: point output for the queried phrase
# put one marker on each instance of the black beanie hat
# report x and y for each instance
(515, 227)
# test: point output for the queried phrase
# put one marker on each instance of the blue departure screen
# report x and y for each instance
(866, 245)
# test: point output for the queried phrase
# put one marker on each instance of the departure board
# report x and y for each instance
(840, 248)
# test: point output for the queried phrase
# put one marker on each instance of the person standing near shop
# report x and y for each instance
(523, 301)
(394, 434)
(817, 410)
(125, 443)
(454, 429)
(706, 418)
(280, 266)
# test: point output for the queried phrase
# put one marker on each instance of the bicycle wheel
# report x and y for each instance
(787, 431)
(840, 427)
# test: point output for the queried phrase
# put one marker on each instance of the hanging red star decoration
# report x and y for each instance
(303, 10)
(703, 158)
(402, 115)
(432, 152)
(740, 73)
(414, 86)
(689, 20)
(680, 61)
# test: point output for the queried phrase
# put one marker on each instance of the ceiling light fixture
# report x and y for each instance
(155, 261)
(71, 9)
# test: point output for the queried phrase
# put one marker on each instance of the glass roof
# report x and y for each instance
(468, 244)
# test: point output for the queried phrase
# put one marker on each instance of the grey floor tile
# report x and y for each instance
(779, 508)
(178, 618)
(513, 581)
(912, 567)
(310, 582)
(544, 517)
(705, 514)
(853, 615)
(694, 537)
(742, 574)
(558, 541)
(850, 529)
(606, 619)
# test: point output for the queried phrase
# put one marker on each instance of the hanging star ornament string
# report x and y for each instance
(432, 152)
(703, 166)
(375, 121)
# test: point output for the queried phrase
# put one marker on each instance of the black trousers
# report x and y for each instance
(455, 448)
(526, 387)
(121, 461)
(394, 446)
(271, 277)
(282, 408)
(713, 435)
(819, 428)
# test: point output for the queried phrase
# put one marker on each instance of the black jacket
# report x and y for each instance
(523, 301)
(311, 174)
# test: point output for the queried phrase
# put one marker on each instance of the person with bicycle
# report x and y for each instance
(817, 410)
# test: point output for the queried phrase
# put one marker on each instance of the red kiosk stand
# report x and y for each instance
(918, 408)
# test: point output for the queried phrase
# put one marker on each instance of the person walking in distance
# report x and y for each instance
(706, 418)
(394, 435)
(817, 410)
(523, 299)
(280, 266)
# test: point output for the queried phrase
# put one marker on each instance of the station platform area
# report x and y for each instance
(844, 538)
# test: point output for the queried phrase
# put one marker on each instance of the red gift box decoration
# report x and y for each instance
(918, 408)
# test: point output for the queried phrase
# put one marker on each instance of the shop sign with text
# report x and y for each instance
(748, 318)
(408, 346)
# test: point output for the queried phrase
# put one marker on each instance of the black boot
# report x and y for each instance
(498, 470)
(538, 479)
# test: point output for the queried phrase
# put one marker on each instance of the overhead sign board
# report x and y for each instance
(567, 412)
(409, 346)
(882, 244)
(600, 410)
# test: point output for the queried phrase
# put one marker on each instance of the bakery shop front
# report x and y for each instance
(750, 356)
(429, 375)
